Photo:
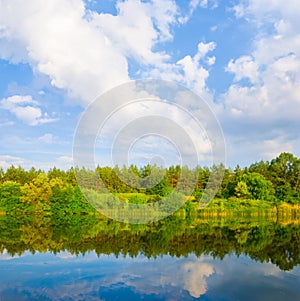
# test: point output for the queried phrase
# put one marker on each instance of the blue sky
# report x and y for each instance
(56, 56)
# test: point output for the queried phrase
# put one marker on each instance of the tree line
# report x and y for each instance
(56, 190)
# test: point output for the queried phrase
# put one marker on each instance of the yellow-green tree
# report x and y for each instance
(241, 190)
(38, 192)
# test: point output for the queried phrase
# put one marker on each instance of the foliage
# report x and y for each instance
(261, 239)
(241, 189)
(258, 187)
(57, 190)
(10, 196)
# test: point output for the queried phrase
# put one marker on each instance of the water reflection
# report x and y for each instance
(262, 240)
(84, 258)
(89, 277)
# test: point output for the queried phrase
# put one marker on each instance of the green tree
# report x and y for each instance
(241, 190)
(259, 188)
(10, 196)
(285, 173)
(16, 174)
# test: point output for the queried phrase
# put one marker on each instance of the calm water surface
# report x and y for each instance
(161, 263)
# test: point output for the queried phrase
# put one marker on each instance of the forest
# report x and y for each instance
(256, 212)
(263, 188)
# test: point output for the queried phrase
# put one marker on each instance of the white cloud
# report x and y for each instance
(247, 144)
(81, 51)
(29, 115)
(193, 5)
(273, 147)
(142, 112)
(25, 109)
(265, 94)
(138, 27)
(244, 67)
(87, 53)
(211, 60)
(194, 74)
(275, 96)
(190, 70)
(165, 15)
(6, 161)
(62, 162)
(172, 134)
(273, 9)
(47, 138)
(273, 70)
(239, 10)
(17, 100)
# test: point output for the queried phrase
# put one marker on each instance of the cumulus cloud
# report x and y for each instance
(265, 94)
(86, 53)
(273, 67)
(61, 43)
(138, 27)
(81, 51)
(244, 67)
(25, 109)
(192, 71)
(194, 74)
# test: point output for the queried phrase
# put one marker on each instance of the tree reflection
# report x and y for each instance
(262, 240)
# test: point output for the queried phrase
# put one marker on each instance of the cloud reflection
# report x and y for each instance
(88, 277)
(195, 274)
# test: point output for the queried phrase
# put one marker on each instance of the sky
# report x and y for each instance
(57, 56)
